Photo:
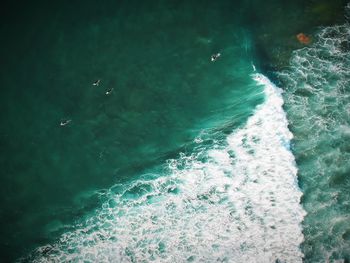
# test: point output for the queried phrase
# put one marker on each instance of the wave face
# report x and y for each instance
(317, 102)
(236, 201)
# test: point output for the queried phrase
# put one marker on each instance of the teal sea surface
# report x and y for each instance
(122, 141)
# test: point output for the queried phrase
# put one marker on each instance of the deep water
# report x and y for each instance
(173, 157)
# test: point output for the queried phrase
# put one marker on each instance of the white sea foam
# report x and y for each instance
(317, 84)
(237, 202)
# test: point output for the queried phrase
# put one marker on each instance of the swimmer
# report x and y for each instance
(109, 91)
(96, 83)
(65, 122)
(215, 57)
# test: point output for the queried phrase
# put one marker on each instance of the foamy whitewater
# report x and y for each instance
(237, 202)
(317, 86)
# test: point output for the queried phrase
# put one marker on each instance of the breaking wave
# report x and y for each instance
(236, 201)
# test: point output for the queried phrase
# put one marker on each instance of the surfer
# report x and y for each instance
(96, 83)
(215, 57)
(109, 91)
(65, 122)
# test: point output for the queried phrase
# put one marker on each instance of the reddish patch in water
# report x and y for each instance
(303, 39)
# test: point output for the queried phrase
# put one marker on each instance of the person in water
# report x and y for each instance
(215, 57)
(65, 122)
(109, 91)
(96, 83)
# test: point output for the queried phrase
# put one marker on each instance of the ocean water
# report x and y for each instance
(173, 157)
(317, 102)
(229, 202)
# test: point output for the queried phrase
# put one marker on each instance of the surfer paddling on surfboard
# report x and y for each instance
(96, 83)
(109, 91)
(215, 57)
(65, 122)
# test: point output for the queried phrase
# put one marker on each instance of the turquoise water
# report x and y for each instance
(185, 159)
(226, 201)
